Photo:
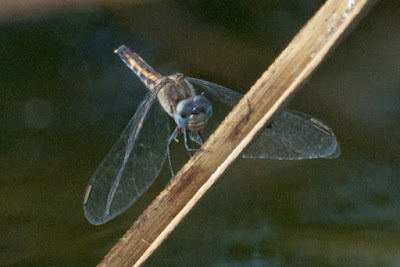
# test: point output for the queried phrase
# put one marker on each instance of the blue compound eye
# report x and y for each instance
(183, 111)
(202, 105)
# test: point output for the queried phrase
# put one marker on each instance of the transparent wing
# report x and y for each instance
(216, 92)
(290, 135)
(293, 135)
(132, 164)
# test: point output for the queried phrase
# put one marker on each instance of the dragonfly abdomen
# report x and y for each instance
(146, 74)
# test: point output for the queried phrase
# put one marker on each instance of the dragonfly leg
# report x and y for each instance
(173, 137)
(201, 137)
(168, 186)
(186, 143)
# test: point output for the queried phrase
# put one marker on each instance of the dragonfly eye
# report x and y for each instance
(202, 112)
(202, 105)
(182, 112)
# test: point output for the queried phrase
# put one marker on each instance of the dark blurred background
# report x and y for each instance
(66, 97)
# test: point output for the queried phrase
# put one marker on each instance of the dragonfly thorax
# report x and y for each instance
(175, 89)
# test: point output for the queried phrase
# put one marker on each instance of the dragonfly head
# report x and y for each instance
(193, 113)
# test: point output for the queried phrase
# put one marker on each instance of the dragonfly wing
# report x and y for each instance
(132, 164)
(216, 92)
(290, 135)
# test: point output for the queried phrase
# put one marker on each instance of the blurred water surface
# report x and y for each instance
(65, 99)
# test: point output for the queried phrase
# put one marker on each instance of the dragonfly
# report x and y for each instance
(197, 107)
